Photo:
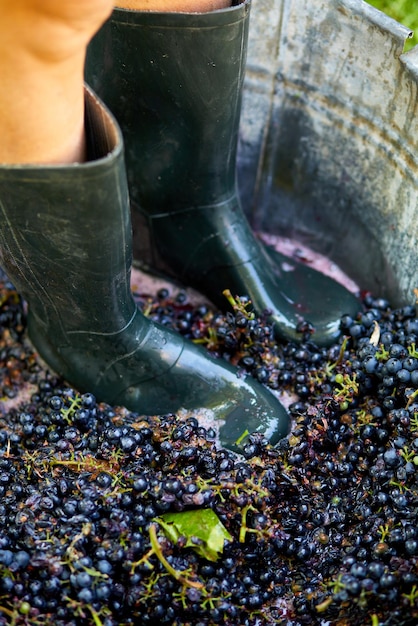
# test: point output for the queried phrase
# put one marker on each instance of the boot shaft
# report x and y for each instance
(65, 232)
(174, 82)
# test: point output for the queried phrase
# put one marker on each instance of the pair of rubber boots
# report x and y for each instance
(174, 83)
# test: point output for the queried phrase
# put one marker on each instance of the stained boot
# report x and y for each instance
(65, 242)
(174, 82)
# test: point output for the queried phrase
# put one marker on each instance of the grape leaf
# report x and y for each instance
(201, 529)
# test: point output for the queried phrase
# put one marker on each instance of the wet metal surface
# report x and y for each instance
(329, 132)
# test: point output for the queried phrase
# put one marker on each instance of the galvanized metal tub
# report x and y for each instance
(328, 137)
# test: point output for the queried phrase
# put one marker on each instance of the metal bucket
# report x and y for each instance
(328, 139)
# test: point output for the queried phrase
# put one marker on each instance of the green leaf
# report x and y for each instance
(201, 529)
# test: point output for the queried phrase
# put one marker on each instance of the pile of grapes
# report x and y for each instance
(321, 529)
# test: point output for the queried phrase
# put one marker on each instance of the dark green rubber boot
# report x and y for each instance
(65, 242)
(174, 82)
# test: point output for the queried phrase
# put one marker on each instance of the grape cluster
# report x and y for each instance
(323, 526)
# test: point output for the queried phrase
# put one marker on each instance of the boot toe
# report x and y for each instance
(313, 297)
(269, 419)
(238, 406)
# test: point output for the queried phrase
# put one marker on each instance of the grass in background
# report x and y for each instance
(403, 11)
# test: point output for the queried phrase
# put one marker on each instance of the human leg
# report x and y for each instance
(187, 6)
(42, 53)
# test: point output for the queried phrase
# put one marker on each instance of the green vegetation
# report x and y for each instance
(404, 11)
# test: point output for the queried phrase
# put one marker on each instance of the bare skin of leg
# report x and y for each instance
(179, 6)
(42, 54)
